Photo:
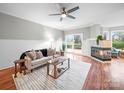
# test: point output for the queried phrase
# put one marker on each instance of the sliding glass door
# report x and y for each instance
(73, 42)
(69, 41)
(77, 41)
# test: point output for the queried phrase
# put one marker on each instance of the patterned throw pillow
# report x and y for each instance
(31, 54)
(50, 52)
(39, 54)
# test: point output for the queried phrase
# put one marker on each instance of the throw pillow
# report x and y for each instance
(39, 54)
(50, 52)
(31, 54)
(54, 51)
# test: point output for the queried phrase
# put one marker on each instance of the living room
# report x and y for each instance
(77, 41)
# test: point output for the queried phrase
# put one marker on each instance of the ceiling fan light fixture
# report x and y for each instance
(63, 15)
(66, 13)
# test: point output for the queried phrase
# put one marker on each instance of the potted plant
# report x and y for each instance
(62, 49)
(63, 46)
(99, 37)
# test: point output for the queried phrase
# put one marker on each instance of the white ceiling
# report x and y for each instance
(88, 13)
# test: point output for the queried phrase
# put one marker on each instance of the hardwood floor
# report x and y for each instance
(6, 80)
(102, 76)
(105, 76)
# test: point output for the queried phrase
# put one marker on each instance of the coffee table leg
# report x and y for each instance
(47, 69)
(68, 63)
(55, 74)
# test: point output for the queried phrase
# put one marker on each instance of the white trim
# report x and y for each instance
(117, 31)
(6, 67)
(80, 34)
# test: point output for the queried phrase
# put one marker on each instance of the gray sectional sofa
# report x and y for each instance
(34, 63)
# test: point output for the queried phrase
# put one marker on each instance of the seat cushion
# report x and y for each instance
(57, 55)
(40, 61)
(49, 57)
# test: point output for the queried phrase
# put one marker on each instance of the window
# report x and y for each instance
(77, 42)
(69, 41)
(73, 41)
(118, 39)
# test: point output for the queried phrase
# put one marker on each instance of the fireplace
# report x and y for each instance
(101, 53)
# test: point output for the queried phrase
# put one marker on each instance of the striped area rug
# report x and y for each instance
(72, 79)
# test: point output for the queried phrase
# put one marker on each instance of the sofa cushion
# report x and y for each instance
(39, 54)
(40, 61)
(50, 57)
(31, 54)
(57, 55)
(44, 52)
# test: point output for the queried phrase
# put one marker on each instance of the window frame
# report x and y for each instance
(81, 38)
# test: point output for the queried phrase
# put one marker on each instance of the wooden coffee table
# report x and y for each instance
(57, 66)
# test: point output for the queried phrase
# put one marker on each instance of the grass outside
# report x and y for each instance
(118, 44)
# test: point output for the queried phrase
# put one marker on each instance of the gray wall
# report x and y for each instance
(116, 28)
(16, 28)
(95, 30)
(18, 35)
(90, 32)
(85, 31)
(111, 29)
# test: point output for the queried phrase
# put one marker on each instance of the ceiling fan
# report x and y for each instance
(65, 13)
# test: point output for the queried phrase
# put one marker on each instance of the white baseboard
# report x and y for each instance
(6, 67)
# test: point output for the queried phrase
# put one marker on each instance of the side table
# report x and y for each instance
(62, 53)
(21, 65)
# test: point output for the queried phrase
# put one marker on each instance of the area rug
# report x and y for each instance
(72, 79)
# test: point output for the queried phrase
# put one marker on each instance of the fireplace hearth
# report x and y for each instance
(101, 53)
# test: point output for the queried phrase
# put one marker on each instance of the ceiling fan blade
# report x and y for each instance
(70, 16)
(61, 19)
(73, 9)
(54, 14)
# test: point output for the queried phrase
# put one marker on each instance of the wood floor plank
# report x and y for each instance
(100, 75)
(6, 80)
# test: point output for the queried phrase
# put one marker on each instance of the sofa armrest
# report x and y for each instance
(57, 52)
(28, 63)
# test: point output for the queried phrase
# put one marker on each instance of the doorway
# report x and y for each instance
(74, 43)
